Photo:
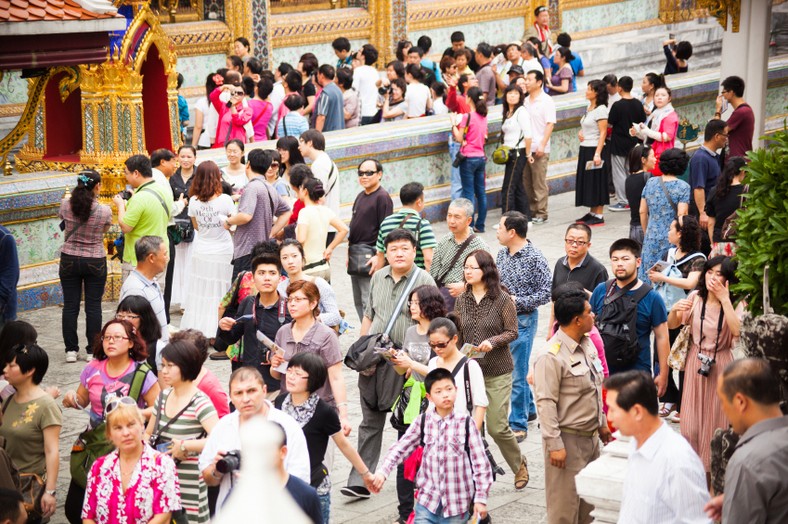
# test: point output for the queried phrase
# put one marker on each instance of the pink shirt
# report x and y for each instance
(669, 125)
(476, 135)
(102, 387)
(211, 386)
(261, 115)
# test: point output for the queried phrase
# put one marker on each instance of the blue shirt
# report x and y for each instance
(9, 275)
(577, 65)
(651, 313)
(704, 170)
(295, 122)
(432, 66)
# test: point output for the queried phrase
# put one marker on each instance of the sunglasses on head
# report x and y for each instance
(113, 404)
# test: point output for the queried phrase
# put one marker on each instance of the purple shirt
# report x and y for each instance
(262, 202)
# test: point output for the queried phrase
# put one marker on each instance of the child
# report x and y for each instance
(456, 477)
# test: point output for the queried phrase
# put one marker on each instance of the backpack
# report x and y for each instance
(617, 323)
(672, 294)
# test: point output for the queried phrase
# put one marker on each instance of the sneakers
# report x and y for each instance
(520, 435)
(538, 221)
(71, 356)
(583, 219)
(674, 417)
(355, 492)
(88, 357)
(618, 206)
(531, 417)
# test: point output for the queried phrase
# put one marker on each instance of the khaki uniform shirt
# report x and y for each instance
(568, 388)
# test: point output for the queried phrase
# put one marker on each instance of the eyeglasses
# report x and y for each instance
(579, 243)
(413, 303)
(292, 300)
(297, 373)
(126, 316)
(439, 345)
(113, 404)
(470, 268)
(113, 338)
(723, 134)
(366, 173)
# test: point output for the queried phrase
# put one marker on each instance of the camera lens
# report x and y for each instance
(230, 462)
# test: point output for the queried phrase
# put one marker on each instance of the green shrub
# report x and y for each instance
(762, 227)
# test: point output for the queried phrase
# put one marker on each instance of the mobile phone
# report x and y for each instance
(590, 165)
(164, 447)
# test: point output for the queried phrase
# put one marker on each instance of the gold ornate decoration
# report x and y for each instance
(429, 15)
(293, 29)
(673, 11)
(238, 16)
(200, 38)
(68, 83)
(602, 31)
(720, 9)
(36, 89)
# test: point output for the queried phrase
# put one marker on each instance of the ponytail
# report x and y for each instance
(314, 189)
(82, 197)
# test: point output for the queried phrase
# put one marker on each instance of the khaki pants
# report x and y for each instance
(535, 184)
(564, 506)
(499, 393)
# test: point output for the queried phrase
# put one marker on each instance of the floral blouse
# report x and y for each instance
(152, 490)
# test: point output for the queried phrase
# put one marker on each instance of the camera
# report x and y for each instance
(230, 462)
(706, 362)
(497, 470)
(125, 194)
(459, 159)
(384, 90)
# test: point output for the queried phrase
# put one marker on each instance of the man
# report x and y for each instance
(330, 113)
(9, 276)
(578, 264)
(312, 145)
(542, 110)
(452, 249)
(705, 167)
(164, 163)
(385, 289)
(373, 204)
(457, 44)
(485, 75)
(622, 116)
(12, 507)
(341, 48)
(411, 195)
(304, 495)
(525, 273)
(741, 123)
(152, 255)
(425, 44)
(259, 205)
(147, 212)
(426, 75)
(270, 313)
(756, 479)
(247, 393)
(365, 77)
(651, 314)
(253, 68)
(664, 482)
(503, 70)
(568, 388)
(541, 30)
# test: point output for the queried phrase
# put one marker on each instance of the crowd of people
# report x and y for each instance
(447, 325)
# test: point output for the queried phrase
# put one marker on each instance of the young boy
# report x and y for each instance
(446, 474)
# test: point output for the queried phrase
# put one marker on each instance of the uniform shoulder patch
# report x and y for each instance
(555, 348)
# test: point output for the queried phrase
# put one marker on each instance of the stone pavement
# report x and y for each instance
(506, 504)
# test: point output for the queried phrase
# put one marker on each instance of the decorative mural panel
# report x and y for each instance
(39, 123)
(427, 15)
(89, 143)
(260, 23)
(603, 16)
(138, 119)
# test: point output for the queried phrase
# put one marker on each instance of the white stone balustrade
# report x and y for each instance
(601, 482)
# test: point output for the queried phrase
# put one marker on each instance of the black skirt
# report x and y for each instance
(591, 185)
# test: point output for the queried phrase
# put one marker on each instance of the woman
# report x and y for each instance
(394, 106)
(290, 155)
(471, 132)
(234, 115)
(306, 334)
(403, 48)
(180, 183)
(543, 60)
(488, 321)
(242, 49)
(723, 202)
(350, 98)
(211, 270)
(83, 260)
(138, 312)
(649, 84)
(262, 108)
(31, 423)
(448, 67)
(438, 94)
(715, 327)
(182, 417)
(306, 375)
(118, 354)
(205, 116)
(14, 333)
(560, 82)
(134, 484)
(592, 172)
(686, 266)
(307, 66)
(291, 122)
(463, 58)
(641, 162)
(206, 381)
(291, 253)
(516, 135)
(312, 229)
(665, 198)
(234, 63)
(235, 172)
(664, 123)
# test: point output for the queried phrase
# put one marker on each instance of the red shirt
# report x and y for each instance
(211, 386)
(297, 207)
(456, 102)
(741, 127)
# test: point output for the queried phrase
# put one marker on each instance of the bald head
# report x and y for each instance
(752, 378)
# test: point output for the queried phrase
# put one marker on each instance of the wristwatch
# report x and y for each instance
(52, 492)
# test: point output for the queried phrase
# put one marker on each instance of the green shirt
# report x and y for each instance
(23, 430)
(425, 237)
(147, 216)
(444, 254)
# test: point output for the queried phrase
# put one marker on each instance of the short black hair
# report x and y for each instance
(10, 507)
(754, 378)
(180, 81)
(416, 49)
(436, 375)
(538, 75)
(634, 387)
(444, 324)
(400, 234)
(32, 357)
(457, 36)
(259, 161)
(626, 244)
(294, 102)
(378, 165)
(674, 161)
(564, 40)
(415, 71)
(185, 355)
(569, 305)
(345, 77)
(284, 68)
(244, 42)
(293, 81)
(410, 192)
(140, 163)
(517, 221)
(150, 328)
(341, 44)
(314, 366)
(571, 285)
(327, 71)
(626, 83)
(579, 226)
(255, 66)
(265, 87)
(484, 49)
(369, 53)
(683, 50)
(271, 259)
(734, 84)
(713, 128)
(14, 333)
(610, 80)
(316, 137)
(299, 174)
(424, 42)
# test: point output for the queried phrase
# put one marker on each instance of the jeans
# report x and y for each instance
(76, 272)
(325, 506)
(472, 176)
(522, 397)
(425, 516)
(456, 181)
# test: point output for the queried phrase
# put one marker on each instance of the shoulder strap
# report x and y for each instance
(8, 401)
(139, 380)
(466, 376)
(80, 224)
(159, 198)
(401, 301)
(667, 195)
(421, 429)
(618, 294)
(641, 292)
(456, 257)
(328, 179)
(467, 439)
(461, 363)
(158, 431)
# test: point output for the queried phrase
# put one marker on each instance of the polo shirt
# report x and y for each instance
(146, 215)
(137, 285)
(486, 77)
(256, 200)
(741, 127)
(704, 170)
(369, 212)
(331, 104)
(590, 273)
(542, 111)
(425, 236)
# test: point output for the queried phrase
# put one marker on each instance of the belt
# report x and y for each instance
(578, 433)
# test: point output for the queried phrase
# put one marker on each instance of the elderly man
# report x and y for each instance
(452, 249)
(541, 30)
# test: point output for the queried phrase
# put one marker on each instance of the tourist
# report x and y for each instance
(623, 114)
(235, 114)
(564, 41)
(544, 60)
(662, 127)
(649, 84)
(541, 108)
(83, 260)
(705, 167)
(341, 48)
(676, 55)
(540, 30)
(448, 67)
(242, 49)
(329, 114)
(350, 101)
(570, 410)
(402, 50)
(289, 155)
(613, 95)
(299, 174)
(411, 196)
(394, 70)
(485, 74)
(307, 66)
(715, 323)
(394, 105)
(181, 182)
(665, 198)
(278, 95)
(312, 230)
(641, 162)
(136, 310)
(424, 43)
(518, 137)
(262, 108)
(206, 380)
(438, 95)
(365, 78)
(578, 265)
(182, 418)
(164, 164)
(211, 271)
(457, 103)
(31, 422)
(457, 44)
(471, 132)
(415, 57)
(206, 118)
(723, 202)
(235, 171)
(272, 176)
(15, 333)
(234, 64)
(561, 81)
(463, 59)
(312, 144)
(591, 187)
(292, 123)
(513, 57)
(741, 123)
(9, 276)
(418, 101)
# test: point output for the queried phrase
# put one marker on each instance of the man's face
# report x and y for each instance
(624, 263)
(414, 58)
(513, 53)
(721, 139)
(160, 258)
(400, 254)
(304, 147)
(586, 320)
(727, 95)
(576, 243)
(247, 396)
(730, 410)
(457, 220)
(504, 236)
(543, 18)
(133, 178)
(531, 83)
(168, 167)
(456, 46)
(368, 175)
(443, 394)
(622, 419)
(266, 278)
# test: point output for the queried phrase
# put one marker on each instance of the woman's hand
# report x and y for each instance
(48, 505)
(580, 135)
(327, 253)
(175, 450)
(70, 400)
(597, 160)
(276, 360)
(226, 324)
(656, 276)
(682, 305)
(720, 290)
(485, 346)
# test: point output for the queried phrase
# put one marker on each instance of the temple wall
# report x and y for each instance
(324, 52)
(607, 14)
(493, 32)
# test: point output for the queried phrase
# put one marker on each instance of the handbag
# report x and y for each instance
(460, 158)
(357, 257)
(31, 486)
(502, 153)
(156, 438)
(185, 228)
(677, 358)
(412, 402)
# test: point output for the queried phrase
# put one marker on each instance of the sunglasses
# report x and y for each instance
(439, 345)
(238, 93)
(366, 173)
(115, 403)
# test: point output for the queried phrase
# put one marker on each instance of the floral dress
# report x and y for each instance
(660, 216)
(153, 489)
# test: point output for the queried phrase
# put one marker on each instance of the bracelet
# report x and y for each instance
(597, 155)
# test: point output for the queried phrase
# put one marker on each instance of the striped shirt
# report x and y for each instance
(444, 253)
(85, 240)
(425, 237)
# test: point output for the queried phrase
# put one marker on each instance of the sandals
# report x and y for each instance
(521, 477)
(666, 409)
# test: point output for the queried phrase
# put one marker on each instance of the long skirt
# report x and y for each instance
(209, 280)
(180, 275)
(591, 185)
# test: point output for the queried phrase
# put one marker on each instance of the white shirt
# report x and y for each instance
(439, 107)
(226, 437)
(532, 65)
(664, 482)
(517, 129)
(612, 99)
(416, 97)
(589, 124)
(364, 79)
(321, 168)
(210, 216)
(478, 391)
(542, 111)
(276, 98)
(210, 118)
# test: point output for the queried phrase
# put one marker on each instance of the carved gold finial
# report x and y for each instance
(8, 169)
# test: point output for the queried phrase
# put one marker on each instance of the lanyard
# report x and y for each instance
(719, 329)
(280, 314)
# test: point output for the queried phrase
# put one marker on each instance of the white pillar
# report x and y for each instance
(746, 54)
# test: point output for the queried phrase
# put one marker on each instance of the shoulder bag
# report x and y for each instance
(450, 300)
(677, 358)
(460, 158)
(729, 226)
(667, 195)
(156, 438)
(502, 153)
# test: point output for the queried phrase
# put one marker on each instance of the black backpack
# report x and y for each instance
(617, 323)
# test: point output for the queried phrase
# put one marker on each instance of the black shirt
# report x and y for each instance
(179, 187)
(622, 115)
(590, 273)
(306, 497)
(368, 213)
(633, 188)
(722, 208)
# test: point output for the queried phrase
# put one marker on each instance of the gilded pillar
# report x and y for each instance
(238, 17)
(390, 25)
(260, 33)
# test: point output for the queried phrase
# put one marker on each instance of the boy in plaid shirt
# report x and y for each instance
(454, 470)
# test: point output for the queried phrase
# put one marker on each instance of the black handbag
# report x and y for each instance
(357, 257)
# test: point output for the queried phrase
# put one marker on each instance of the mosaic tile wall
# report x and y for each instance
(499, 31)
(608, 15)
(196, 68)
(324, 52)
(13, 89)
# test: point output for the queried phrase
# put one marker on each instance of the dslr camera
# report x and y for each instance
(706, 362)
(384, 90)
(125, 194)
(230, 462)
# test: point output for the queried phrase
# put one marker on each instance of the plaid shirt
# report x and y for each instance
(447, 475)
(88, 240)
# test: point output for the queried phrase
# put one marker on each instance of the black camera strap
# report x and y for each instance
(719, 329)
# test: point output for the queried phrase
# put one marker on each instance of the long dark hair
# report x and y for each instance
(732, 168)
(637, 158)
(150, 328)
(477, 96)
(689, 229)
(506, 108)
(290, 144)
(727, 268)
(600, 88)
(490, 276)
(82, 196)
